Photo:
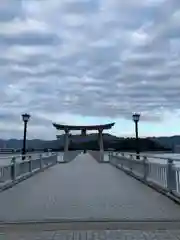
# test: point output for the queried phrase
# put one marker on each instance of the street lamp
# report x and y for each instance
(136, 118)
(25, 118)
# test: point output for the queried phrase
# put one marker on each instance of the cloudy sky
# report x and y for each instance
(89, 62)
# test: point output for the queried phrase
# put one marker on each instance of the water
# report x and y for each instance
(175, 156)
(5, 159)
(166, 155)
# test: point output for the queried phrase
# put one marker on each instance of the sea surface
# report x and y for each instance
(5, 159)
(162, 158)
(174, 156)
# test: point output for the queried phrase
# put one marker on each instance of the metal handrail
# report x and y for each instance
(148, 155)
(164, 175)
(16, 169)
(20, 155)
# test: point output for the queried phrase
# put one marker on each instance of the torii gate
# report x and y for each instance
(84, 129)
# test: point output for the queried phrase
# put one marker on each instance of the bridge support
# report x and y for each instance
(101, 146)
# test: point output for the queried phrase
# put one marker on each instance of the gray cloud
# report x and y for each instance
(100, 58)
(29, 39)
(10, 9)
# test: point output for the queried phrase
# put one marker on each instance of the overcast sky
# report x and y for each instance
(89, 62)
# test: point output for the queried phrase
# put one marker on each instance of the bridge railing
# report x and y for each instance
(160, 171)
(14, 168)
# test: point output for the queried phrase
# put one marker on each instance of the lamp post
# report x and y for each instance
(136, 118)
(25, 118)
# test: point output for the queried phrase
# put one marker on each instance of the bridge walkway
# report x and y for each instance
(84, 189)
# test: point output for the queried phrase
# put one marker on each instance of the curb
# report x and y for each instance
(90, 225)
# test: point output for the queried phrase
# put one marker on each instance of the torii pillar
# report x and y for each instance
(66, 145)
(101, 145)
(83, 133)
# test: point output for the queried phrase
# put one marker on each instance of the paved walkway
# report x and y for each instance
(87, 190)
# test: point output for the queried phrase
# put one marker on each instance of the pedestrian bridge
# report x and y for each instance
(87, 190)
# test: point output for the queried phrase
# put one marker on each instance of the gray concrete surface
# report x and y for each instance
(84, 189)
(95, 155)
(94, 235)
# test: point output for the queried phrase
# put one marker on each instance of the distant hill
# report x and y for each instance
(112, 142)
(167, 141)
(35, 143)
(91, 142)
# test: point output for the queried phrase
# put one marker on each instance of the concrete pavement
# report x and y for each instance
(84, 190)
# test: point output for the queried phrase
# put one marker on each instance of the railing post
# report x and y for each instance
(30, 164)
(51, 160)
(130, 163)
(171, 176)
(130, 166)
(109, 155)
(41, 162)
(56, 154)
(13, 169)
(146, 168)
(122, 164)
(114, 159)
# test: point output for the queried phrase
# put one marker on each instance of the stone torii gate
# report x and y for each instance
(84, 129)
